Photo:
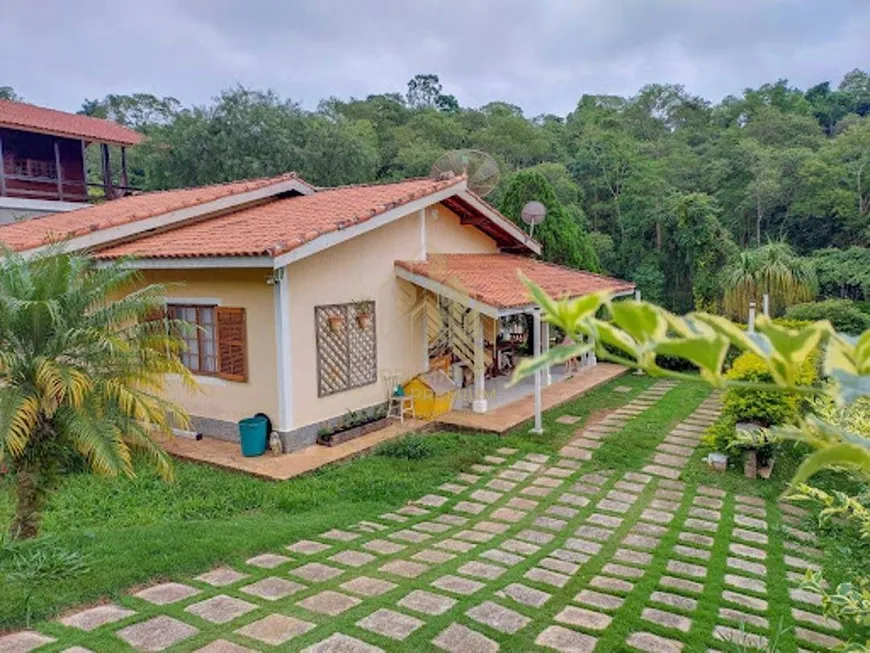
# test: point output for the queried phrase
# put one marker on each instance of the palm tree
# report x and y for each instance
(82, 370)
(738, 280)
(773, 269)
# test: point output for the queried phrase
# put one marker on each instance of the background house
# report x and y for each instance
(43, 157)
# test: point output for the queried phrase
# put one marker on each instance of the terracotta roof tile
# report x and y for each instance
(493, 279)
(282, 225)
(28, 117)
(59, 226)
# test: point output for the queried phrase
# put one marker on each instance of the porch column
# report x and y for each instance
(545, 347)
(124, 180)
(59, 169)
(424, 251)
(479, 403)
(536, 351)
(281, 290)
(424, 331)
(107, 171)
(2, 171)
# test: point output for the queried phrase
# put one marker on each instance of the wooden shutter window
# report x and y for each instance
(231, 343)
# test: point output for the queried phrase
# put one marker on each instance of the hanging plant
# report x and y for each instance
(363, 311)
(335, 322)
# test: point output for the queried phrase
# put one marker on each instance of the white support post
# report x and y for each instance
(424, 250)
(751, 325)
(765, 303)
(545, 347)
(281, 291)
(536, 351)
(424, 332)
(479, 403)
(637, 294)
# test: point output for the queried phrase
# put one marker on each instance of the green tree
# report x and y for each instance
(424, 91)
(82, 368)
(422, 139)
(340, 152)
(852, 148)
(138, 111)
(856, 86)
(507, 135)
(243, 134)
(765, 184)
(829, 107)
(603, 163)
(386, 112)
(698, 247)
(562, 238)
(843, 273)
(8, 93)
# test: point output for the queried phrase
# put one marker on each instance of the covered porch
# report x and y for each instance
(477, 321)
(518, 407)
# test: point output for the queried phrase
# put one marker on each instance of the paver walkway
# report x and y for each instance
(525, 552)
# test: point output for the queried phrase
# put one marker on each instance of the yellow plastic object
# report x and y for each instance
(432, 394)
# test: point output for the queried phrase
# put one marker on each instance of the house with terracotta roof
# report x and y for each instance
(43, 167)
(311, 302)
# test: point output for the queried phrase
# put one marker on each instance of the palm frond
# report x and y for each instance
(81, 356)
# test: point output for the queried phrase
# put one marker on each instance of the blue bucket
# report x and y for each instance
(253, 434)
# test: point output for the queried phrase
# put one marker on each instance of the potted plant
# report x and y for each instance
(757, 444)
(335, 322)
(363, 311)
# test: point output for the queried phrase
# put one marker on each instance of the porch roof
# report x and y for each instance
(492, 280)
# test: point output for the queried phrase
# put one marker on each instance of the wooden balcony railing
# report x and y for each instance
(64, 190)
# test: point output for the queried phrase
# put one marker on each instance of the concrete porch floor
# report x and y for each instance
(228, 455)
(516, 405)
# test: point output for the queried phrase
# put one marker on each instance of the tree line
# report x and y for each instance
(663, 187)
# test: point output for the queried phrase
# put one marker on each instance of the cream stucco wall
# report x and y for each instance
(446, 235)
(363, 268)
(217, 398)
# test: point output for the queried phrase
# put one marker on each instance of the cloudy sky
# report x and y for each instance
(540, 54)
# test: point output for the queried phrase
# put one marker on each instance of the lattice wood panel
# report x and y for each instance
(346, 347)
(451, 328)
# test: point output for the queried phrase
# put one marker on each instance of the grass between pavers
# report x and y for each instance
(132, 531)
(846, 556)
(635, 443)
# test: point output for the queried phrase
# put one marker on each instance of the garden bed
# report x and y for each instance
(346, 435)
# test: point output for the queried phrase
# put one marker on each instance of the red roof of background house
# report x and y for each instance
(39, 231)
(279, 226)
(27, 117)
(493, 280)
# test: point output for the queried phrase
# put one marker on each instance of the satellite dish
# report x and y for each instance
(533, 213)
(480, 167)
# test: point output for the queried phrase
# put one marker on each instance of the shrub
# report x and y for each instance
(720, 434)
(842, 313)
(675, 364)
(762, 406)
(409, 448)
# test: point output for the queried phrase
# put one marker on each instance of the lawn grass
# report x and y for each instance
(132, 530)
(135, 530)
